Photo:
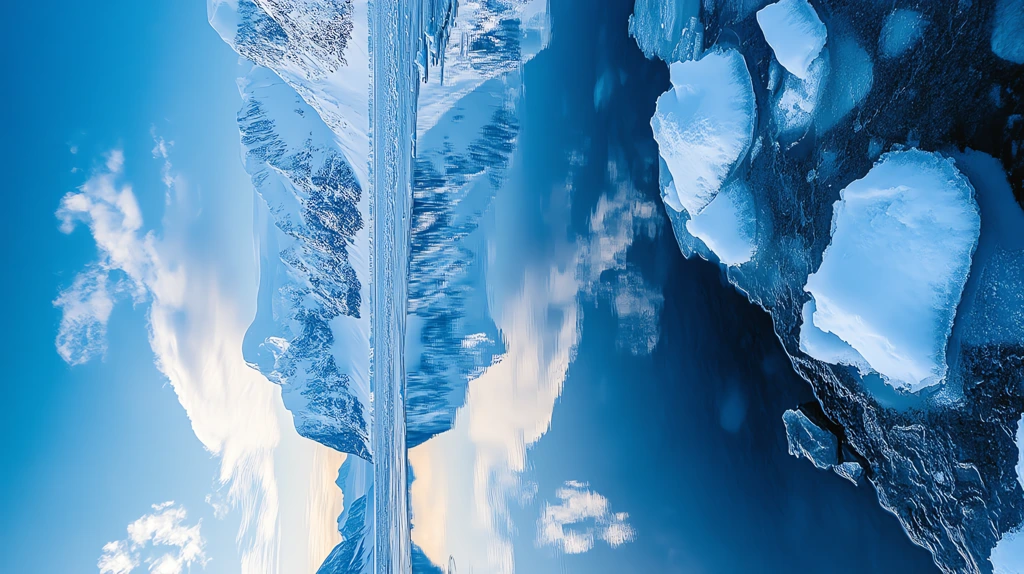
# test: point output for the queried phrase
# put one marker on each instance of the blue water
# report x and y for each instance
(688, 440)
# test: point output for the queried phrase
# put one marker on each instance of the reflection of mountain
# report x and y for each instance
(305, 134)
(467, 130)
(454, 335)
(941, 460)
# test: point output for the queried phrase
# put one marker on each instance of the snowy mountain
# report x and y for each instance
(305, 135)
(876, 214)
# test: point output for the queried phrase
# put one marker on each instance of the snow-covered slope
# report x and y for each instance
(311, 321)
(319, 48)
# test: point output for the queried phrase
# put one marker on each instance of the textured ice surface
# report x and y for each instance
(728, 224)
(851, 80)
(942, 461)
(892, 275)
(667, 29)
(808, 440)
(826, 346)
(798, 98)
(901, 30)
(795, 33)
(1008, 32)
(703, 125)
(992, 310)
(850, 471)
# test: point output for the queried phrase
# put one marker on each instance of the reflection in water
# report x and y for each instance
(466, 478)
(630, 417)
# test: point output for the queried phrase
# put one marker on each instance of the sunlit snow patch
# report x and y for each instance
(795, 33)
(703, 125)
(891, 278)
(728, 224)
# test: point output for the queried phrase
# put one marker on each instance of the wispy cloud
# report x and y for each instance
(196, 326)
(161, 540)
(580, 516)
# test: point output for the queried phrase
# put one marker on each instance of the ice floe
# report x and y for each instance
(892, 276)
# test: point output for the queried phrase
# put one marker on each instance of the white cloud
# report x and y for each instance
(161, 540)
(581, 516)
(86, 308)
(117, 558)
(196, 325)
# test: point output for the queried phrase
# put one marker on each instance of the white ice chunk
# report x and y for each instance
(826, 346)
(892, 276)
(703, 125)
(1020, 451)
(1008, 555)
(728, 224)
(795, 33)
(1008, 31)
(901, 30)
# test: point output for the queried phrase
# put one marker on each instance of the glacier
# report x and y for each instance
(941, 459)
(891, 277)
(703, 124)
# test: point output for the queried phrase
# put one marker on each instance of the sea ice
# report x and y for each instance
(892, 276)
(728, 224)
(901, 30)
(703, 125)
(850, 471)
(810, 441)
(795, 33)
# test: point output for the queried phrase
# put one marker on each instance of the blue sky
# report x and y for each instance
(89, 449)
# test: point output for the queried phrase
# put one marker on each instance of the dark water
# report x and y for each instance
(688, 440)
